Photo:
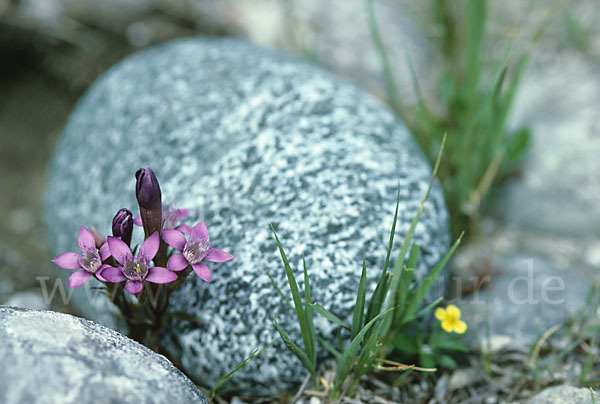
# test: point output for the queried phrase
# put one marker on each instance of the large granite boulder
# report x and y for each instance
(50, 357)
(244, 137)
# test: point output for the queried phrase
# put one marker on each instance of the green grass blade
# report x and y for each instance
(345, 362)
(300, 354)
(309, 314)
(242, 365)
(417, 89)
(406, 279)
(385, 287)
(417, 296)
(368, 354)
(499, 83)
(390, 82)
(392, 235)
(329, 315)
(399, 263)
(475, 28)
(329, 347)
(425, 310)
(381, 290)
(300, 314)
(283, 296)
(359, 306)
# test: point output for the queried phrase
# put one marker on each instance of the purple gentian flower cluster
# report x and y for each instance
(113, 260)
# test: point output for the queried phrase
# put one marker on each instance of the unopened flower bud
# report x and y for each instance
(122, 225)
(147, 192)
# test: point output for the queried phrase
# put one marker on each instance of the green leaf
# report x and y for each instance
(451, 345)
(406, 343)
(359, 306)
(229, 375)
(447, 362)
(300, 314)
(300, 354)
(329, 315)
(427, 360)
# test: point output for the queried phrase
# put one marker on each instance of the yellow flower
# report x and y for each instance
(450, 318)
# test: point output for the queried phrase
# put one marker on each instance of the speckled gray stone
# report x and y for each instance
(50, 357)
(565, 395)
(245, 137)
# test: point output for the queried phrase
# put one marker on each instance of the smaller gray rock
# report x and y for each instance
(564, 395)
(57, 358)
(28, 299)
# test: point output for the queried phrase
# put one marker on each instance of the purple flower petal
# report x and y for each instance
(138, 221)
(199, 231)
(149, 247)
(86, 239)
(177, 262)
(184, 228)
(119, 250)
(160, 275)
(112, 274)
(134, 287)
(78, 278)
(98, 238)
(174, 238)
(104, 251)
(180, 214)
(99, 272)
(216, 255)
(202, 271)
(68, 260)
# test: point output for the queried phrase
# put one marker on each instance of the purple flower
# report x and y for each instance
(122, 225)
(90, 260)
(147, 192)
(135, 270)
(194, 251)
(170, 218)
